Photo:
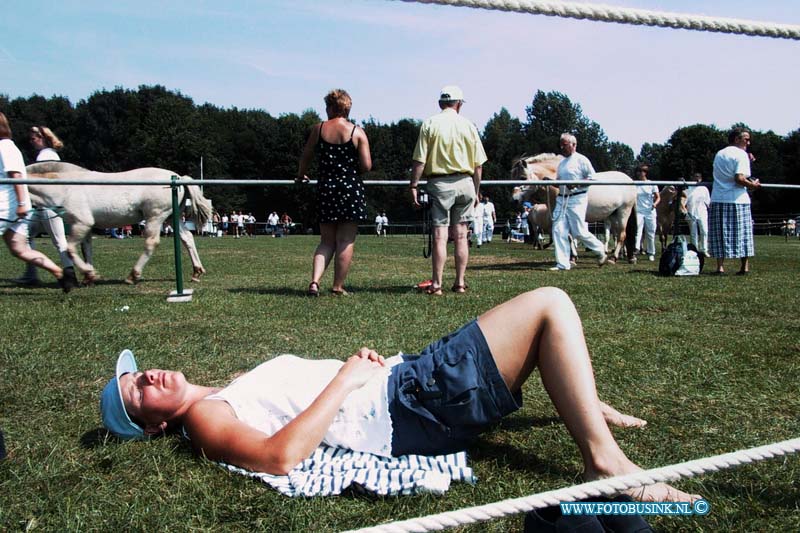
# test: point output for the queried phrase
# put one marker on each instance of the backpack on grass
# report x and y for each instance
(680, 258)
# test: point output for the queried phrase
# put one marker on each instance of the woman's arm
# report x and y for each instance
(308, 153)
(217, 434)
(23, 200)
(364, 156)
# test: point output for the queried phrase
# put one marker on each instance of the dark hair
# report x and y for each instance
(735, 133)
(5, 128)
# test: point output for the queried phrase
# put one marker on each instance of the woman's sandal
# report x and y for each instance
(339, 292)
(434, 290)
(460, 289)
(313, 289)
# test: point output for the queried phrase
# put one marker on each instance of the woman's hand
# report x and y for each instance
(360, 368)
(302, 179)
(22, 211)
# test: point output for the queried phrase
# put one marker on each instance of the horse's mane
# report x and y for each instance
(46, 167)
(540, 158)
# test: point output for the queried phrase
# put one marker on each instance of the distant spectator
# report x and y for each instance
(489, 218)
(647, 199)
(731, 232)
(251, 225)
(343, 154)
(272, 223)
(697, 202)
(240, 220)
(286, 223)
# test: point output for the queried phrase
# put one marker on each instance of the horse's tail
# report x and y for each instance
(630, 233)
(200, 209)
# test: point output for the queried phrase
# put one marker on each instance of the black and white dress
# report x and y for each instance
(340, 192)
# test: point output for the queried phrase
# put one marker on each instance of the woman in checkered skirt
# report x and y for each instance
(731, 224)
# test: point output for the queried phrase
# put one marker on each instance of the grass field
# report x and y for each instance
(711, 362)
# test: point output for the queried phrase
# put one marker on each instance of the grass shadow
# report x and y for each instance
(289, 291)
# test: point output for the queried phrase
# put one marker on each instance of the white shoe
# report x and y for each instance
(556, 269)
(651, 258)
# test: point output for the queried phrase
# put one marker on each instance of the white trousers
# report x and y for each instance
(488, 231)
(646, 228)
(699, 229)
(569, 218)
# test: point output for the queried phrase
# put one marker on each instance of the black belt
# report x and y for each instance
(573, 194)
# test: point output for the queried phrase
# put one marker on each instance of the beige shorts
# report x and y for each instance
(452, 199)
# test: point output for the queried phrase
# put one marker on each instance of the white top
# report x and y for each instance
(575, 167)
(10, 161)
(275, 392)
(272, 219)
(727, 163)
(477, 212)
(488, 211)
(697, 202)
(47, 154)
(644, 198)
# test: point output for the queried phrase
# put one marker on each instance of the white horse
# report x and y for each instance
(110, 206)
(614, 205)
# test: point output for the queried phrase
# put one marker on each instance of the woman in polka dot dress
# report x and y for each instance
(343, 154)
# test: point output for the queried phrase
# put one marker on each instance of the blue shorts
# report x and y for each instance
(443, 398)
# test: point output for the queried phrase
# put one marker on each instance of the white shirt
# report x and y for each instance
(644, 198)
(697, 202)
(47, 154)
(727, 163)
(488, 211)
(10, 161)
(575, 167)
(274, 393)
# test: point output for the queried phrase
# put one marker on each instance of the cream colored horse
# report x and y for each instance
(613, 205)
(110, 206)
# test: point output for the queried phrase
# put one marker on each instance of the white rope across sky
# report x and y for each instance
(627, 15)
(607, 487)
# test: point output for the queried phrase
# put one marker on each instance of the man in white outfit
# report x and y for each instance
(489, 218)
(569, 216)
(478, 221)
(697, 202)
(647, 198)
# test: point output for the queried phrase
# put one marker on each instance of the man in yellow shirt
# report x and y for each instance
(450, 155)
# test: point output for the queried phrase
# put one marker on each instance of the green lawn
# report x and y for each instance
(710, 362)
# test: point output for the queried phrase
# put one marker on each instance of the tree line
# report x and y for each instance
(121, 129)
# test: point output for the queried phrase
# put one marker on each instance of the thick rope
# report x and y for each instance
(602, 487)
(625, 15)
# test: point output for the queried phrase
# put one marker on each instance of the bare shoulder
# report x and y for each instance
(207, 421)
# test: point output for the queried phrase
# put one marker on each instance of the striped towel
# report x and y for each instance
(331, 470)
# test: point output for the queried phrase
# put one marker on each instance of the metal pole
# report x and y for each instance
(179, 295)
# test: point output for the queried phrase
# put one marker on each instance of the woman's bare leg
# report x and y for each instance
(542, 329)
(324, 252)
(346, 233)
(18, 246)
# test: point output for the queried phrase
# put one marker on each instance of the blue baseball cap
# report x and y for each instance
(527, 204)
(115, 417)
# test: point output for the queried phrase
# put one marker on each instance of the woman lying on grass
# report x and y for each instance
(275, 416)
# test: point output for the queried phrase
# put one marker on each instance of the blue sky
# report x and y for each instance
(639, 84)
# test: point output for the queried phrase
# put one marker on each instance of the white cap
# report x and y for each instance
(451, 93)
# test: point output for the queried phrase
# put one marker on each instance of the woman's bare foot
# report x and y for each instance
(658, 492)
(615, 418)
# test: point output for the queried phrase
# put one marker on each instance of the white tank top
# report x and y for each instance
(275, 392)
